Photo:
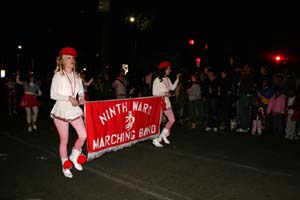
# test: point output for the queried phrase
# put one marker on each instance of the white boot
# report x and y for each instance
(156, 142)
(29, 128)
(165, 134)
(74, 158)
(34, 125)
(66, 167)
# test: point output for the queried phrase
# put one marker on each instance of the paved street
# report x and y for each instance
(196, 166)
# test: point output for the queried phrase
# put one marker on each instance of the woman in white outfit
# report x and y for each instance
(68, 92)
(162, 86)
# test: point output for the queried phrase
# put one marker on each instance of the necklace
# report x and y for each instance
(72, 88)
(166, 82)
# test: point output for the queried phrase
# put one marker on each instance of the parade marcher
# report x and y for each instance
(162, 86)
(68, 92)
(29, 100)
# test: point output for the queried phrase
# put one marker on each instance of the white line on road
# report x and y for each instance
(233, 164)
(135, 184)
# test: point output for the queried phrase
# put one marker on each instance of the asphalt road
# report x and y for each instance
(197, 165)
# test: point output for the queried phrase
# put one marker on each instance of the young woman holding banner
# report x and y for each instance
(162, 86)
(68, 92)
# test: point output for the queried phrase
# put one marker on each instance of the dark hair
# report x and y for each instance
(211, 69)
(160, 73)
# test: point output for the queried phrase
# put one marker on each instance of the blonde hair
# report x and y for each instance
(60, 66)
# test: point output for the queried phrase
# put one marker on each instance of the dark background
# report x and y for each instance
(253, 32)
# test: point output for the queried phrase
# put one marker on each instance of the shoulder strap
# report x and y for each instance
(121, 81)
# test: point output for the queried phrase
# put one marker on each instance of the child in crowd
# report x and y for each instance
(276, 108)
(257, 114)
(291, 115)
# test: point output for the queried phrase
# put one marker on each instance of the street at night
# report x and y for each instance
(196, 165)
(214, 65)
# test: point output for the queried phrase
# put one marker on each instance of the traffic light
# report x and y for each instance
(198, 61)
(278, 58)
(191, 42)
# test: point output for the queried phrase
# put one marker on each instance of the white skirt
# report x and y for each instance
(64, 110)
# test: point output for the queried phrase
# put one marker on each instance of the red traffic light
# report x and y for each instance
(278, 58)
(191, 42)
(198, 61)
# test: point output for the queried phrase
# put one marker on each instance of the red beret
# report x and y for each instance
(68, 51)
(164, 64)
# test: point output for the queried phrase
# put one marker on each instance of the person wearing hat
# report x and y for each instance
(68, 92)
(162, 86)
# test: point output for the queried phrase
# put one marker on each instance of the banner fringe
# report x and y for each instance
(94, 155)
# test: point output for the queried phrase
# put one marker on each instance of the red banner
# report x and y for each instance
(114, 124)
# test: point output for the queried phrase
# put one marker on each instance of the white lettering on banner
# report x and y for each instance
(142, 107)
(113, 111)
(113, 139)
(116, 124)
(151, 129)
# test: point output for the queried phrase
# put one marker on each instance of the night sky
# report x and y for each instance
(246, 29)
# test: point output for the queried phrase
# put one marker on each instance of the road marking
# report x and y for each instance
(230, 163)
(154, 190)
(133, 183)
(197, 157)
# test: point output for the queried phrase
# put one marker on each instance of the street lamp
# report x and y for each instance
(138, 23)
(19, 48)
(132, 23)
(131, 19)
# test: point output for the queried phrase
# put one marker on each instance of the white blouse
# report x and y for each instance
(63, 86)
(163, 87)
